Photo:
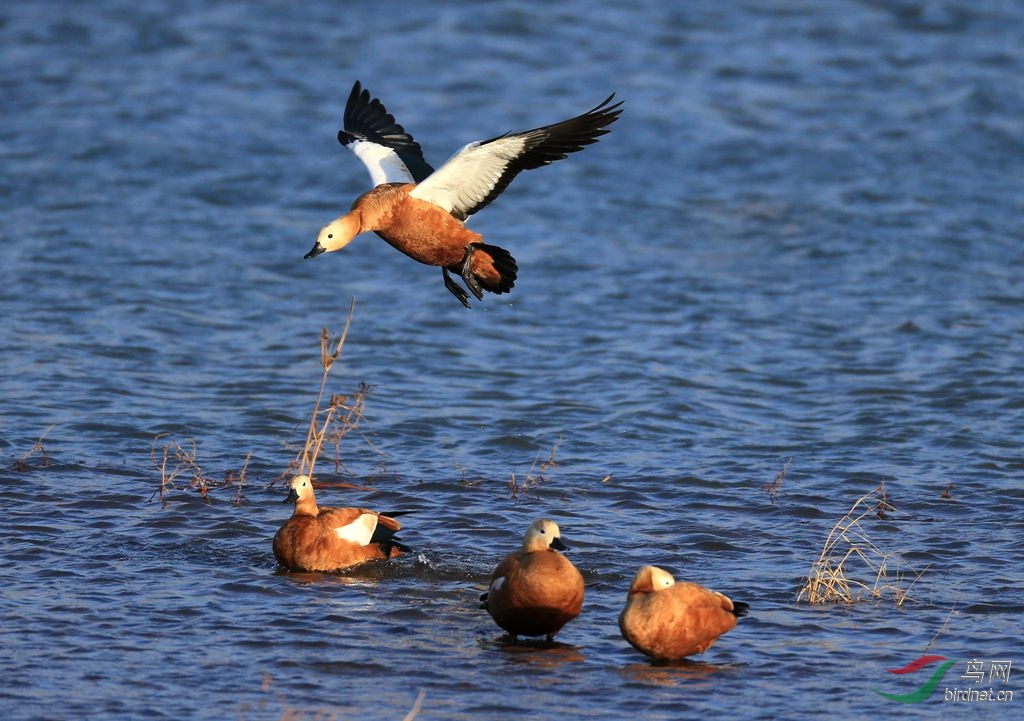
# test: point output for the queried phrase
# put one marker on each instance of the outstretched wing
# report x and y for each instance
(478, 173)
(388, 152)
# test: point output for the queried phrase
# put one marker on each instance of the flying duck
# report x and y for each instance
(422, 212)
(669, 621)
(536, 590)
(330, 539)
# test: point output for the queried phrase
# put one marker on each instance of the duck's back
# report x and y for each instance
(313, 543)
(683, 620)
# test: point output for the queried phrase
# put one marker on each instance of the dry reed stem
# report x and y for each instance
(177, 461)
(417, 705)
(229, 477)
(21, 465)
(532, 481)
(848, 552)
(463, 479)
(945, 623)
(352, 407)
(342, 415)
(315, 435)
(772, 489)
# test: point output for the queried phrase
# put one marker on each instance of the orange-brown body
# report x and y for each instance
(423, 231)
(536, 590)
(309, 540)
(674, 621)
(542, 592)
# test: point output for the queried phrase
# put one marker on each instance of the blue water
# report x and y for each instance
(800, 248)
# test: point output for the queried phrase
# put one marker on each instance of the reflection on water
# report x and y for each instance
(538, 653)
(672, 673)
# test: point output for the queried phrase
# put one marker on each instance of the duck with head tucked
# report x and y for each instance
(536, 590)
(330, 539)
(422, 212)
(669, 621)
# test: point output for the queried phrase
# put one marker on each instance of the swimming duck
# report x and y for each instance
(536, 590)
(669, 621)
(422, 212)
(330, 539)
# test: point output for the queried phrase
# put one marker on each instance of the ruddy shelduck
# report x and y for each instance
(422, 212)
(536, 590)
(670, 621)
(330, 539)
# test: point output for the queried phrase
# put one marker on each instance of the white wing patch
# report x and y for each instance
(383, 163)
(470, 175)
(360, 530)
(497, 584)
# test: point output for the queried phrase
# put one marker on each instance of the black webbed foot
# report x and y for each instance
(454, 287)
(467, 273)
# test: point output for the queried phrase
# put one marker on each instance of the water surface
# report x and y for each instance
(799, 249)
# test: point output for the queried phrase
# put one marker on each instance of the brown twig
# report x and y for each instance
(341, 416)
(21, 465)
(773, 488)
(184, 463)
(531, 480)
(315, 435)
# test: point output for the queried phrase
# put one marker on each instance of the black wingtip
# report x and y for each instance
(739, 608)
(366, 118)
(546, 144)
(604, 106)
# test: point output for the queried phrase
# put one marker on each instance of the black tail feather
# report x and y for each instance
(386, 538)
(504, 263)
(395, 543)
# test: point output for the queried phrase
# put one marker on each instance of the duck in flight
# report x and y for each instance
(422, 212)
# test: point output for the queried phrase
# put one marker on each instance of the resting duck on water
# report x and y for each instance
(318, 538)
(669, 621)
(422, 212)
(536, 590)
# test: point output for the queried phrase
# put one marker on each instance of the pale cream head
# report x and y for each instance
(301, 488)
(652, 578)
(338, 233)
(542, 535)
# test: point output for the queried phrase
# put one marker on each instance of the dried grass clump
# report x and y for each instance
(851, 567)
(180, 471)
(178, 462)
